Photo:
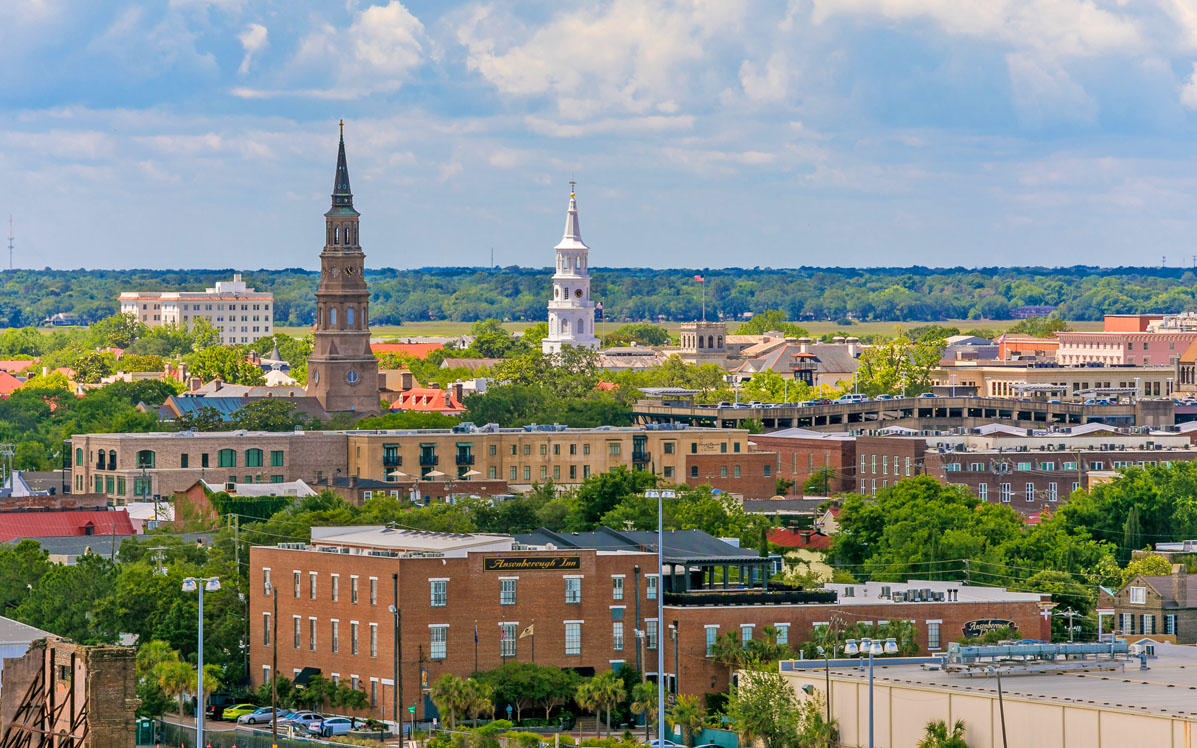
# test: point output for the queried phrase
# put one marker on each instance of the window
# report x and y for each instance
(336, 635)
(266, 629)
(933, 634)
(226, 458)
(353, 590)
(617, 587)
(651, 631)
(983, 491)
(336, 586)
(353, 637)
(507, 590)
(374, 590)
(712, 633)
(745, 633)
(507, 634)
(667, 448)
(1030, 491)
(1138, 596)
(783, 632)
(908, 467)
(184, 460)
(439, 641)
(253, 458)
(693, 471)
(650, 586)
(295, 620)
(1005, 491)
(617, 635)
(311, 585)
(573, 590)
(439, 590)
(573, 637)
(295, 576)
(723, 471)
(1052, 492)
(312, 633)
(145, 458)
(374, 640)
(614, 449)
(1170, 623)
(735, 471)
(276, 458)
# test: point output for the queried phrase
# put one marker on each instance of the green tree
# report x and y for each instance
(644, 701)
(771, 320)
(92, 366)
(818, 483)
(176, 679)
(937, 735)
(269, 414)
(449, 693)
(899, 364)
(764, 708)
(728, 651)
(227, 364)
(1150, 564)
(640, 333)
(1040, 327)
(117, 331)
(688, 714)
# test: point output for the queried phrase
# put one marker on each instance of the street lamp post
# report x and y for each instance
(673, 633)
(273, 592)
(200, 585)
(871, 647)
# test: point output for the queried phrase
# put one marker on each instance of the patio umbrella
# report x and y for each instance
(435, 474)
(472, 472)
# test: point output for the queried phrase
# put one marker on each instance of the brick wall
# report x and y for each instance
(752, 475)
(798, 458)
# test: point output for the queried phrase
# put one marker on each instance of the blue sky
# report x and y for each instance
(202, 133)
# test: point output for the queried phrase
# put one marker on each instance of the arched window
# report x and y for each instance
(349, 317)
(332, 316)
(253, 458)
(79, 456)
(112, 459)
(710, 341)
(226, 458)
(699, 346)
(145, 458)
(337, 235)
(720, 341)
(564, 326)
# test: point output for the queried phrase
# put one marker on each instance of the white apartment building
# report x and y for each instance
(239, 314)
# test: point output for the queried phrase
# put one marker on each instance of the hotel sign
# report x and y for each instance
(532, 563)
(980, 627)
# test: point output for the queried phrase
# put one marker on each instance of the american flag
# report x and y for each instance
(699, 279)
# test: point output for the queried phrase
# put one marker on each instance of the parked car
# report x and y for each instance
(723, 405)
(236, 712)
(330, 726)
(853, 398)
(884, 397)
(258, 716)
(217, 703)
(928, 395)
(657, 743)
(302, 719)
(819, 401)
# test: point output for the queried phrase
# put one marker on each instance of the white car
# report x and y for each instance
(258, 716)
(302, 720)
(330, 726)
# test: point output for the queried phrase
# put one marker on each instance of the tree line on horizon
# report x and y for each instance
(27, 297)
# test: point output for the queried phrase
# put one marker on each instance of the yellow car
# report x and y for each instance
(233, 712)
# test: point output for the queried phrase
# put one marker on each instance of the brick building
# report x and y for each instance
(1163, 607)
(584, 595)
(117, 464)
(749, 474)
(1030, 470)
(800, 453)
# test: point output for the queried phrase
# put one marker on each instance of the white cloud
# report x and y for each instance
(1044, 93)
(632, 56)
(1188, 91)
(253, 40)
(769, 82)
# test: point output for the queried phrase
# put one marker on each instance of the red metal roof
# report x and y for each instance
(788, 538)
(429, 399)
(16, 525)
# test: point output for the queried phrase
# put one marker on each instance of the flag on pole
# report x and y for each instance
(528, 631)
(475, 632)
(699, 279)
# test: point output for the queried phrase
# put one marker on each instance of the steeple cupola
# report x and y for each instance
(571, 311)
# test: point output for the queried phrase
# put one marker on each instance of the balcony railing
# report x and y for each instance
(427, 460)
(465, 458)
(750, 597)
(641, 456)
(392, 460)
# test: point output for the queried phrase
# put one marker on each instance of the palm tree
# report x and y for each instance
(727, 651)
(587, 698)
(175, 677)
(152, 654)
(448, 694)
(689, 714)
(936, 735)
(609, 692)
(644, 701)
(477, 698)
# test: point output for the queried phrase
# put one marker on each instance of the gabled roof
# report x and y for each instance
(64, 523)
(9, 384)
(16, 366)
(806, 538)
(428, 399)
(1162, 584)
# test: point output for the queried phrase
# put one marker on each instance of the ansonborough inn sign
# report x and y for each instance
(532, 563)
(982, 626)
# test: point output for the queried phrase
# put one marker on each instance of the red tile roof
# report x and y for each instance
(419, 350)
(788, 538)
(14, 525)
(8, 384)
(429, 399)
(17, 366)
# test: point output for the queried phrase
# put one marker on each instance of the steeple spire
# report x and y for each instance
(342, 196)
(573, 230)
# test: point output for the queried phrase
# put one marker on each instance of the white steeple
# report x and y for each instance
(571, 312)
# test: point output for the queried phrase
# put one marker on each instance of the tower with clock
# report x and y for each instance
(342, 371)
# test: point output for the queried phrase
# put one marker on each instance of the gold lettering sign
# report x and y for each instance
(532, 563)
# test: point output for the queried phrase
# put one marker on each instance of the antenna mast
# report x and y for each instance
(10, 238)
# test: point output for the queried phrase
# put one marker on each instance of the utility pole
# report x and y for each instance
(10, 238)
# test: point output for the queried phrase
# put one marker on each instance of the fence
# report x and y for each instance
(171, 735)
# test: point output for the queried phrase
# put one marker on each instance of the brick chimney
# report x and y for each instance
(217, 384)
(853, 346)
(458, 389)
(1178, 586)
(194, 383)
(407, 380)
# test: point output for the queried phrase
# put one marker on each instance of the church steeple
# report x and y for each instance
(342, 195)
(573, 231)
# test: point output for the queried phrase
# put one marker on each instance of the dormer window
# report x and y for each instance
(1137, 596)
